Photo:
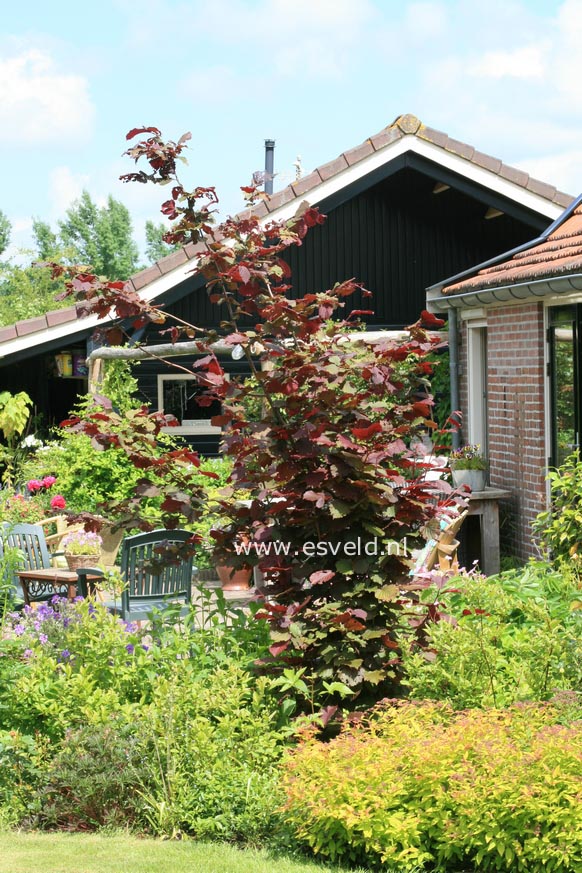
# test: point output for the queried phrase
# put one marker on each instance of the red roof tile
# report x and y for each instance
(559, 254)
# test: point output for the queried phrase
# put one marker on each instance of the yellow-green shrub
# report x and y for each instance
(418, 783)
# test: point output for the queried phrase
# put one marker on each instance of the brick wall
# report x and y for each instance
(517, 450)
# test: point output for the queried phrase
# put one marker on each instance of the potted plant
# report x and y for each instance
(235, 577)
(468, 467)
(82, 548)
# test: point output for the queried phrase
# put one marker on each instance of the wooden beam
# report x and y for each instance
(167, 350)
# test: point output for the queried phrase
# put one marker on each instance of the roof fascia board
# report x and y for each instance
(435, 154)
(505, 295)
(486, 179)
(50, 335)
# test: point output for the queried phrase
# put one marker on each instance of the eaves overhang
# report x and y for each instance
(505, 294)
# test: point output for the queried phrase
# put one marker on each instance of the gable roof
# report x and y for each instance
(527, 270)
(406, 134)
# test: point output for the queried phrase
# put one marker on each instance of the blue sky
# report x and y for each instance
(318, 76)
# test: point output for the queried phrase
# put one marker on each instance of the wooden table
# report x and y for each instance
(44, 581)
(485, 504)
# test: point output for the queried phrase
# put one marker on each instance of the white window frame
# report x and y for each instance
(200, 426)
(477, 382)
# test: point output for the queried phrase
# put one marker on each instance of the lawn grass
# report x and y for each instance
(92, 853)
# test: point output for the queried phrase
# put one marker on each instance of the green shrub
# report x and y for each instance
(70, 664)
(21, 766)
(86, 476)
(212, 745)
(93, 781)
(508, 638)
(560, 527)
(420, 784)
(166, 732)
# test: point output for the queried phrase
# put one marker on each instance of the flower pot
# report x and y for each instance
(234, 580)
(75, 562)
(475, 479)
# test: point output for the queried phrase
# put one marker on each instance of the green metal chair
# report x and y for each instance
(149, 584)
(31, 542)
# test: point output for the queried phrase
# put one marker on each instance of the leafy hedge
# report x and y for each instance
(420, 784)
(511, 638)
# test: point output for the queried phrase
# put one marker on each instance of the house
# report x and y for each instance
(405, 207)
(518, 324)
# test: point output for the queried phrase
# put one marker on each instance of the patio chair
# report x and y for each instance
(147, 587)
(31, 542)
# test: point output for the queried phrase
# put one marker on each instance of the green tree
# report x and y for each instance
(5, 230)
(101, 237)
(47, 244)
(156, 248)
(26, 292)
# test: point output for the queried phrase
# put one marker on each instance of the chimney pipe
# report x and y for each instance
(269, 165)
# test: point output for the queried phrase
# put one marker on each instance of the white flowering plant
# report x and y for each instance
(81, 542)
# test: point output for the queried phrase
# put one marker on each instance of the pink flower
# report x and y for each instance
(34, 485)
(48, 481)
(58, 502)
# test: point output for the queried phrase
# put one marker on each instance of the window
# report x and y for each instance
(177, 396)
(564, 330)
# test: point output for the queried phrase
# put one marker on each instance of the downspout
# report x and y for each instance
(453, 329)
(269, 165)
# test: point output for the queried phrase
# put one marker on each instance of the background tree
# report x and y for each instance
(101, 237)
(156, 247)
(47, 244)
(5, 230)
(26, 292)
(97, 237)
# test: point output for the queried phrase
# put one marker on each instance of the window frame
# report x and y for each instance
(202, 426)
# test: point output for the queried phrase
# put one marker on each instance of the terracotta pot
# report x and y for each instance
(234, 580)
(75, 562)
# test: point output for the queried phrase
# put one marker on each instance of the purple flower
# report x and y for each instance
(28, 653)
(19, 629)
(130, 648)
(42, 638)
(65, 655)
(145, 648)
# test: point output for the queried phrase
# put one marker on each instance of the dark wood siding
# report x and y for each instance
(396, 237)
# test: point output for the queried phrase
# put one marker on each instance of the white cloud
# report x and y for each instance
(527, 62)
(291, 38)
(39, 104)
